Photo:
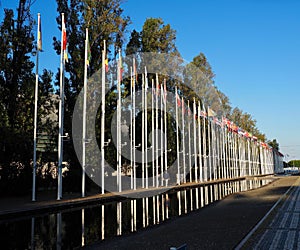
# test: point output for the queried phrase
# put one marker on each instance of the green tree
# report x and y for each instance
(17, 82)
(105, 21)
(274, 144)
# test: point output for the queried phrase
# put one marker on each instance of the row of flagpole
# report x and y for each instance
(210, 149)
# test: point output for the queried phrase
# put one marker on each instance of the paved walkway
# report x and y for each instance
(282, 229)
(221, 225)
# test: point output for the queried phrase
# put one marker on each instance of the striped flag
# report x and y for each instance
(39, 35)
(64, 41)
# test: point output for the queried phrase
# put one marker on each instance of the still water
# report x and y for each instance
(75, 228)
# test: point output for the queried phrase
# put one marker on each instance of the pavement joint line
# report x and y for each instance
(254, 229)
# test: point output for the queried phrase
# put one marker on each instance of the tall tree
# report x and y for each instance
(274, 144)
(17, 81)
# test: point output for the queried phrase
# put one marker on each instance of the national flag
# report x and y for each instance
(39, 34)
(165, 91)
(121, 69)
(158, 89)
(89, 54)
(183, 108)
(178, 100)
(203, 113)
(211, 112)
(106, 64)
(64, 41)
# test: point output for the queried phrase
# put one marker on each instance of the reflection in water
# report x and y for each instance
(32, 232)
(82, 227)
(79, 227)
(58, 231)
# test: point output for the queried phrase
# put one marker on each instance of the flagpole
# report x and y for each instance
(183, 140)
(177, 139)
(189, 136)
(133, 109)
(35, 107)
(146, 128)
(84, 114)
(103, 118)
(195, 140)
(200, 145)
(161, 138)
(166, 138)
(143, 131)
(131, 129)
(153, 138)
(156, 126)
(61, 111)
(119, 140)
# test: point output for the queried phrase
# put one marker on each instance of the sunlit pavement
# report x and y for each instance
(281, 229)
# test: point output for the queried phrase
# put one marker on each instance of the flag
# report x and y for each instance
(64, 41)
(211, 112)
(134, 70)
(39, 35)
(120, 67)
(89, 55)
(178, 100)
(106, 65)
(203, 113)
(158, 89)
(165, 91)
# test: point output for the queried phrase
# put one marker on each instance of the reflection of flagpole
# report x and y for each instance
(39, 47)
(61, 107)
(84, 114)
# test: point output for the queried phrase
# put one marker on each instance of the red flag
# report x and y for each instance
(178, 100)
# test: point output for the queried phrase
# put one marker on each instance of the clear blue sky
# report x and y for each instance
(253, 47)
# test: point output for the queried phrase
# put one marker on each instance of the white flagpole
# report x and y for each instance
(204, 146)
(146, 128)
(189, 136)
(133, 109)
(201, 156)
(131, 129)
(103, 118)
(156, 126)
(177, 138)
(119, 139)
(153, 137)
(183, 140)
(84, 114)
(36, 108)
(143, 131)
(166, 138)
(161, 138)
(61, 112)
(195, 141)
